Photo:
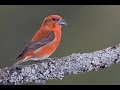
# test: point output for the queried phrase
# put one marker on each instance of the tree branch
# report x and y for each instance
(56, 69)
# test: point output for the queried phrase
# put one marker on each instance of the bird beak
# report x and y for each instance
(62, 22)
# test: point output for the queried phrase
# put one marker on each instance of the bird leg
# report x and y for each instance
(46, 60)
(51, 60)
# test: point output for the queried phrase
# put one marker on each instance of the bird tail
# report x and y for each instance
(18, 62)
(21, 59)
(20, 55)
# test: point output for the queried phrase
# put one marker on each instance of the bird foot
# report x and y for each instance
(51, 60)
(38, 61)
(47, 60)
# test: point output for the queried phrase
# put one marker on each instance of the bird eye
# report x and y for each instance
(54, 19)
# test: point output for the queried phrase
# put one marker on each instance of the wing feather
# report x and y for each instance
(45, 39)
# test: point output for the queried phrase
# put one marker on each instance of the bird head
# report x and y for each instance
(54, 21)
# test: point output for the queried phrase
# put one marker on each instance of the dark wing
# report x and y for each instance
(35, 45)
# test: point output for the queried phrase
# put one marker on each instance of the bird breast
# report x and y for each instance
(48, 49)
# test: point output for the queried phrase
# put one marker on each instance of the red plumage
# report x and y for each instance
(45, 41)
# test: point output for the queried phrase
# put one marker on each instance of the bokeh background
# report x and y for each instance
(90, 28)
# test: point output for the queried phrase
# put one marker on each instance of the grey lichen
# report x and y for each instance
(57, 69)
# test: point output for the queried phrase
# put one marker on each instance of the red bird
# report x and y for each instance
(45, 41)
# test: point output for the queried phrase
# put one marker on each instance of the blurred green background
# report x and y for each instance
(90, 28)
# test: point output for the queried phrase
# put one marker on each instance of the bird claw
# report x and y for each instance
(52, 58)
(49, 60)
(55, 58)
(38, 61)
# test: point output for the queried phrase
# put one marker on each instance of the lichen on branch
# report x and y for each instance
(58, 68)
